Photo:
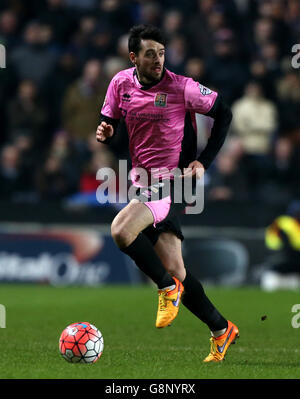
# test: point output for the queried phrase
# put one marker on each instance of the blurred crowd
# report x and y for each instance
(61, 55)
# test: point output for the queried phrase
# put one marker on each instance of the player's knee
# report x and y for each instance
(118, 232)
(120, 235)
(175, 268)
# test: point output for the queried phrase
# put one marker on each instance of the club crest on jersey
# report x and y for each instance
(160, 100)
(204, 90)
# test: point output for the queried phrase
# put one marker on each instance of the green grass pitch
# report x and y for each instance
(133, 347)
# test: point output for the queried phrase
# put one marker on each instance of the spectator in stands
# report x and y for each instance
(34, 59)
(226, 181)
(270, 54)
(102, 42)
(116, 14)
(97, 157)
(292, 17)
(101, 158)
(63, 148)
(81, 102)
(14, 179)
(176, 54)
(275, 10)
(173, 23)
(259, 73)
(255, 122)
(195, 68)
(8, 80)
(225, 70)
(203, 26)
(55, 179)
(8, 29)
(65, 73)
(59, 18)
(80, 40)
(288, 93)
(122, 49)
(26, 114)
(112, 66)
(263, 31)
(282, 178)
(150, 13)
(28, 153)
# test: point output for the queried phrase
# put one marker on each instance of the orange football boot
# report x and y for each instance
(219, 345)
(168, 304)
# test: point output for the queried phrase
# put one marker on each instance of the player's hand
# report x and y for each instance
(195, 168)
(104, 130)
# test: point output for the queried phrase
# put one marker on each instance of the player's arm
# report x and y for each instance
(106, 129)
(207, 102)
(110, 113)
(222, 116)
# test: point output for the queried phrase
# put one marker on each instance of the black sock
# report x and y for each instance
(196, 301)
(145, 257)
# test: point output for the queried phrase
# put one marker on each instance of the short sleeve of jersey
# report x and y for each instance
(198, 98)
(111, 103)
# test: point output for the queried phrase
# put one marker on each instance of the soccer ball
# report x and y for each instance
(81, 343)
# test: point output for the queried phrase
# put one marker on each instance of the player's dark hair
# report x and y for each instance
(144, 32)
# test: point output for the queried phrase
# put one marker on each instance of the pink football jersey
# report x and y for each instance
(155, 117)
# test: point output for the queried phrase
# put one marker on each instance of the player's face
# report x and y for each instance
(149, 61)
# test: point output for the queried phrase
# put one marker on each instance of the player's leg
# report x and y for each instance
(126, 231)
(224, 332)
(169, 300)
(129, 222)
(168, 248)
